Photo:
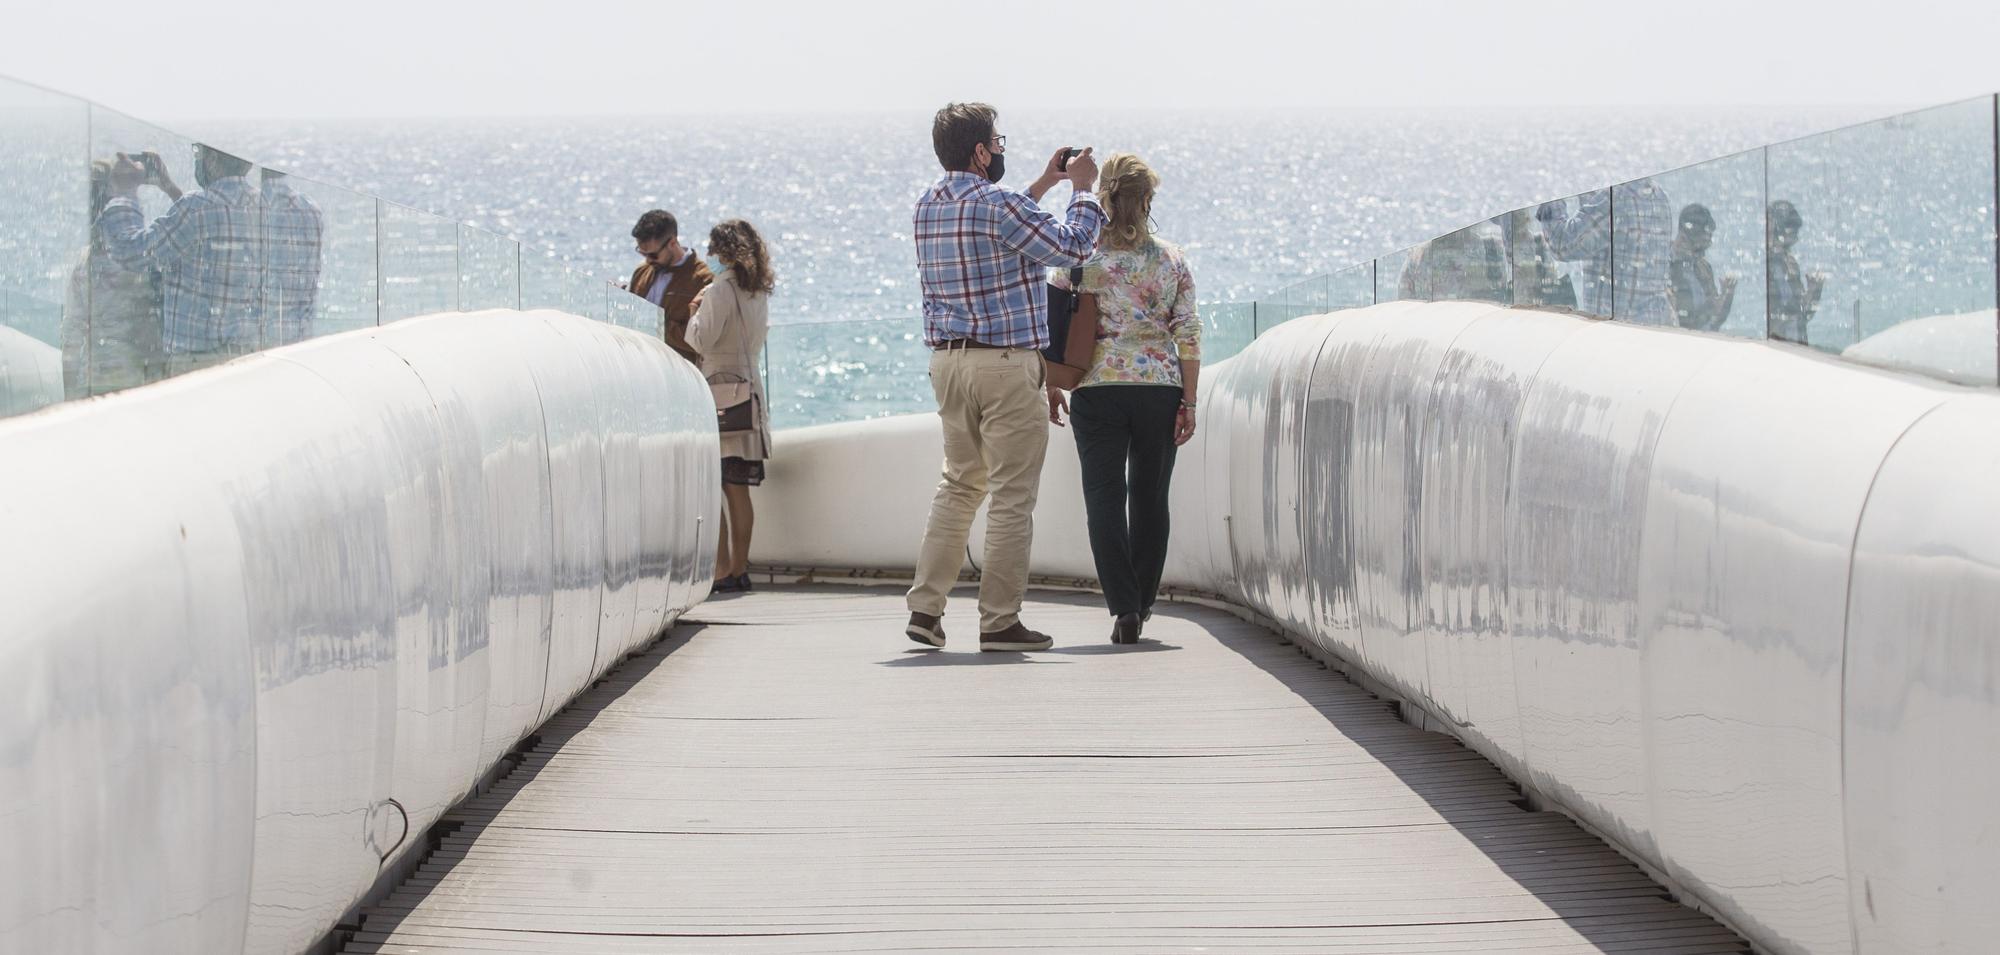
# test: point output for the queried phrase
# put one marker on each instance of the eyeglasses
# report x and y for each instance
(999, 142)
(648, 256)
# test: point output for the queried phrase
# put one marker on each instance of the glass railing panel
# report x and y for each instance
(1467, 265)
(544, 281)
(419, 263)
(1299, 299)
(584, 296)
(1642, 252)
(489, 270)
(1880, 241)
(1561, 254)
(321, 259)
(1352, 287)
(1226, 329)
(1309, 296)
(1715, 270)
(627, 310)
(47, 191)
(1394, 267)
(842, 371)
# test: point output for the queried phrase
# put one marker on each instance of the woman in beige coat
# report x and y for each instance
(730, 320)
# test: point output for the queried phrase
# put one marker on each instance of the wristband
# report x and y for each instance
(1189, 405)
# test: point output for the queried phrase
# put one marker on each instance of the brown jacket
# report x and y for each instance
(686, 279)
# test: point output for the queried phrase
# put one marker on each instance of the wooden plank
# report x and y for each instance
(787, 773)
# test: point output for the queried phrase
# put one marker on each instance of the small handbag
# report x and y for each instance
(1072, 333)
(735, 403)
(735, 400)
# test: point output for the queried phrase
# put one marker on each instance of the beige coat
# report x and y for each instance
(728, 330)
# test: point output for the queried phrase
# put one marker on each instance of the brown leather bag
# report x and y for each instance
(1078, 347)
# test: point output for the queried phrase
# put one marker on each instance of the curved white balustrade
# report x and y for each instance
(262, 624)
(1730, 602)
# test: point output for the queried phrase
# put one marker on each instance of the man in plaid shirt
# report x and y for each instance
(983, 254)
(208, 249)
(1624, 236)
(293, 230)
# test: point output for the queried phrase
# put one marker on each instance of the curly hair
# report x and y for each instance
(738, 245)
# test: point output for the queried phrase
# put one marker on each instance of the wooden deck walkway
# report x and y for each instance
(793, 775)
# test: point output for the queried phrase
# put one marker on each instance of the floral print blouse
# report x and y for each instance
(1146, 323)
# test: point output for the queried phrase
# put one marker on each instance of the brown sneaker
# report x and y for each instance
(926, 629)
(1015, 638)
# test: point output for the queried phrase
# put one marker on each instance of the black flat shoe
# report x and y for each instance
(743, 583)
(1125, 629)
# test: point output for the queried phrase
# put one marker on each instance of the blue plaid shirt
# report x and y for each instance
(293, 231)
(1638, 233)
(981, 255)
(208, 249)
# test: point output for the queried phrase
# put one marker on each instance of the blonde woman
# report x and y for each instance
(730, 320)
(1136, 404)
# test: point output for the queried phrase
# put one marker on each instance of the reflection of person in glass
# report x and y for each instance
(1793, 296)
(1699, 302)
(293, 231)
(1537, 279)
(1643, 249)
(111, 319)
(1456, 267)
(208, 249)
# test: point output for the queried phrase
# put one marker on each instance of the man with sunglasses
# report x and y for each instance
(671, 276)
(982, 258)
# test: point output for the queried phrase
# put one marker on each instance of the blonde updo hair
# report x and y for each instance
(1126, 185)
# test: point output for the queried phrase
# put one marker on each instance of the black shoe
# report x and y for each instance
(1017, 637)
(1125, 629)
(926, 629)
(726, 585)
(743, 583)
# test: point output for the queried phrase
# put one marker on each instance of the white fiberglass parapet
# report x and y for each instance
(264, 623)
(1616, 560)
(1730, 602)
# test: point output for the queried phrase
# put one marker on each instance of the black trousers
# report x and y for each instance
(1125, 442)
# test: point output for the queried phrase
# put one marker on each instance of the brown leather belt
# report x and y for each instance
(964, 343)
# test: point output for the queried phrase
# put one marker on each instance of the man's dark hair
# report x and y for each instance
(1784, 215)
(1697, 216)
(957, 130)
(657, 225)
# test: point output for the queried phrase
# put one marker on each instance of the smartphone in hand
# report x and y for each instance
(1069, 152)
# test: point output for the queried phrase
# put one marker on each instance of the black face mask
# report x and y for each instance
(996, 168)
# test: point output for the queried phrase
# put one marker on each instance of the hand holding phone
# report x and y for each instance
(1062, 164)
(1081, 170)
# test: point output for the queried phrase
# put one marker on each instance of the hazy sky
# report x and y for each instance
(367, 58)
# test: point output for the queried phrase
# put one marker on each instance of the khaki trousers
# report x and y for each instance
(996, 433)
